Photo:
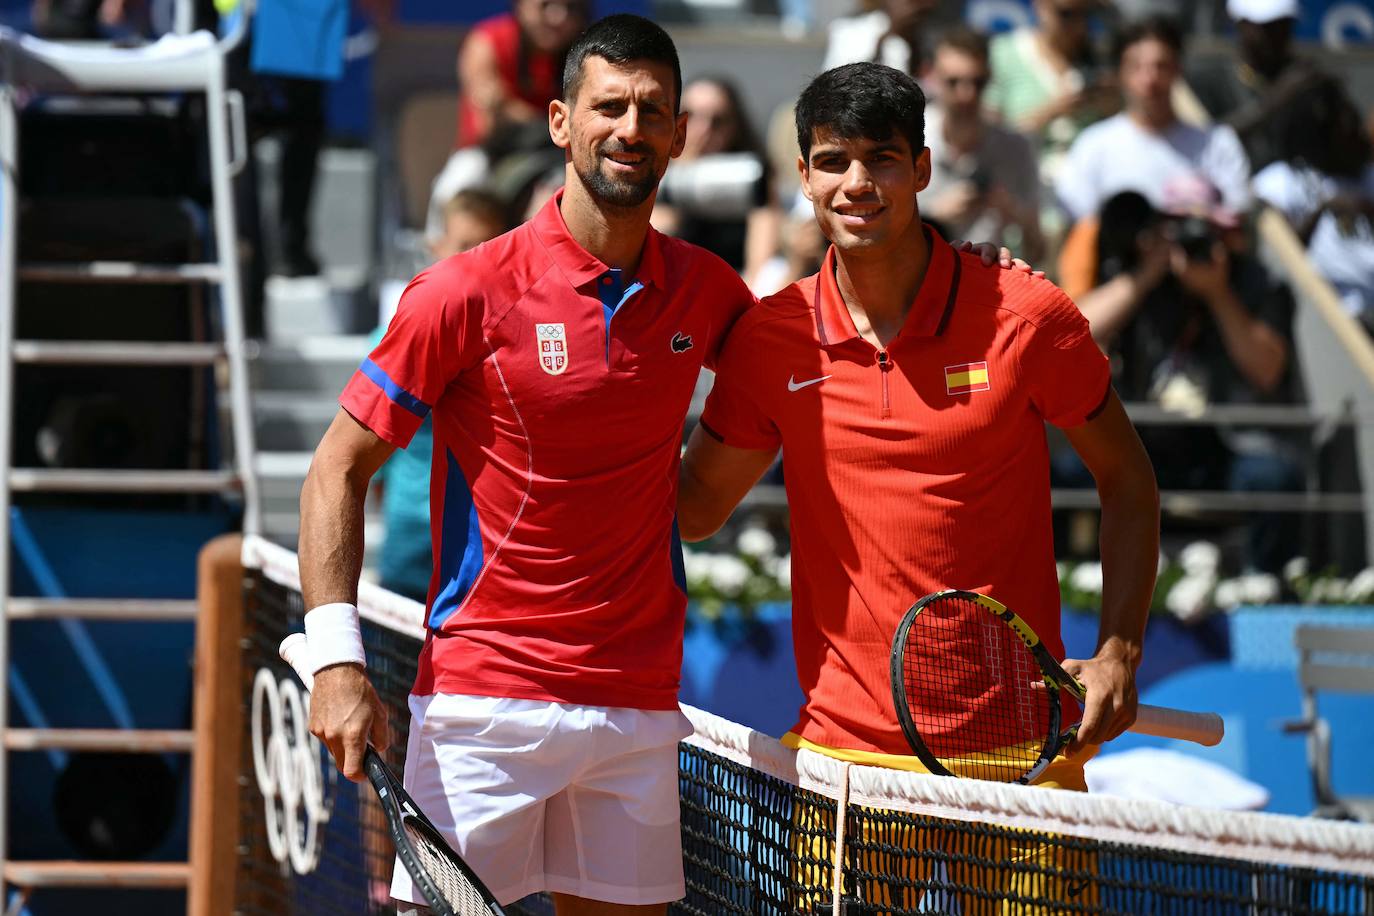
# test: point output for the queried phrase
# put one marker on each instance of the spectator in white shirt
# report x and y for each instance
(1146, 145)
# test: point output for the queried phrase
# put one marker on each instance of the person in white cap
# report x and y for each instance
(1265, 79)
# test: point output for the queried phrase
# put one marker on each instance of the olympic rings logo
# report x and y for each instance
(290, 768)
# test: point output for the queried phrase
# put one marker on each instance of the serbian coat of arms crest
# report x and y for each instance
(552, 340)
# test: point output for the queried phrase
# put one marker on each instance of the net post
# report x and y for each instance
(218, 714)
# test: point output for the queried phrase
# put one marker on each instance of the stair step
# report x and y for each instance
(120, 272)
(35, 480)
(97, 874)
(117, 353)
(114, 740)
(306, 406)
(321, 366)
(292, 421)
(100, 609)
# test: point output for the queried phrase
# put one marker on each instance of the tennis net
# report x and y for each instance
(759, 822)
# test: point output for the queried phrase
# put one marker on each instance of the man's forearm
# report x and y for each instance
(331, 537)
(1110, 307)
(712, 480)
(699, 512)
(1258, 351)
(1130, 555)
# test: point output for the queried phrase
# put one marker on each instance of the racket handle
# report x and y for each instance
(1204, 728)
(295, 651)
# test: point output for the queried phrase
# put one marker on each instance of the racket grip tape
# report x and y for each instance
(1205, 728)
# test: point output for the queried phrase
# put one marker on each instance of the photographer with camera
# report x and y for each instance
(1191, 319)
(983, 181)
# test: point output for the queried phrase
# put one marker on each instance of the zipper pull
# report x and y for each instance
(885, 365)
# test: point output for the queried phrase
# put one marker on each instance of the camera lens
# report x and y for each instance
(1195, 235)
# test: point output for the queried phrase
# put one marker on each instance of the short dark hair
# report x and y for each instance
(862, 100)
(965, 40)
(1162, 29)
(620, 39)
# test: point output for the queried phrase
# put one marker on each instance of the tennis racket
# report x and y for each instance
(977, 694)
(449, 885)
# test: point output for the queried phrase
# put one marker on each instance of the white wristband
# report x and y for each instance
(334, 636)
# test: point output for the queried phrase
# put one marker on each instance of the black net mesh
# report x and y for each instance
(754, 843)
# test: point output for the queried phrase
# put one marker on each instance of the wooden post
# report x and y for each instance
(218, 731)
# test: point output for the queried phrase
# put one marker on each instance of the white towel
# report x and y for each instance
(1170, 776)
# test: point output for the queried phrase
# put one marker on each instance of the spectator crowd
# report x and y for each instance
(1083, 142)
(1088, 142)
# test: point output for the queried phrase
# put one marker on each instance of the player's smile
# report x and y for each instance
(624, 160)
(858, 215)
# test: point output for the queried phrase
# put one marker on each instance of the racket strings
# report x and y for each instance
(453, 883)
(975, 692)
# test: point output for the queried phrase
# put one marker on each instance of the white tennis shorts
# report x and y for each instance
(540, 796)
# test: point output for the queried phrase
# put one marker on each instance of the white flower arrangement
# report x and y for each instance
(756, 541)
(744, 571)
(1191, 586)
(750, 567)
(1087, 577)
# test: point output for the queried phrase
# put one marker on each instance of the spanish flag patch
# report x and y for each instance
(966, 377)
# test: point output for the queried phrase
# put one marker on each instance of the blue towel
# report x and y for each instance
(302, 38)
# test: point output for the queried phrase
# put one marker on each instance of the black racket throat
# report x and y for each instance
(425, 853)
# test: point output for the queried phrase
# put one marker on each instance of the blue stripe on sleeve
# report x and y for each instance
(394, 391)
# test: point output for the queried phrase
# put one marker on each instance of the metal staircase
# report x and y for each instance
(189, 64)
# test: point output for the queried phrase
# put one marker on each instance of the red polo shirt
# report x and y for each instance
(558, 391)
(911, 469)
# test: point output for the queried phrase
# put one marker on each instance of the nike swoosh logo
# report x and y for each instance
(794, 385)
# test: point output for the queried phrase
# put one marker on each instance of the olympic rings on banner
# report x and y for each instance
(289, 764)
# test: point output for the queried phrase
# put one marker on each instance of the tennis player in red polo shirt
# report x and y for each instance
(558, 362)
(908, 387)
